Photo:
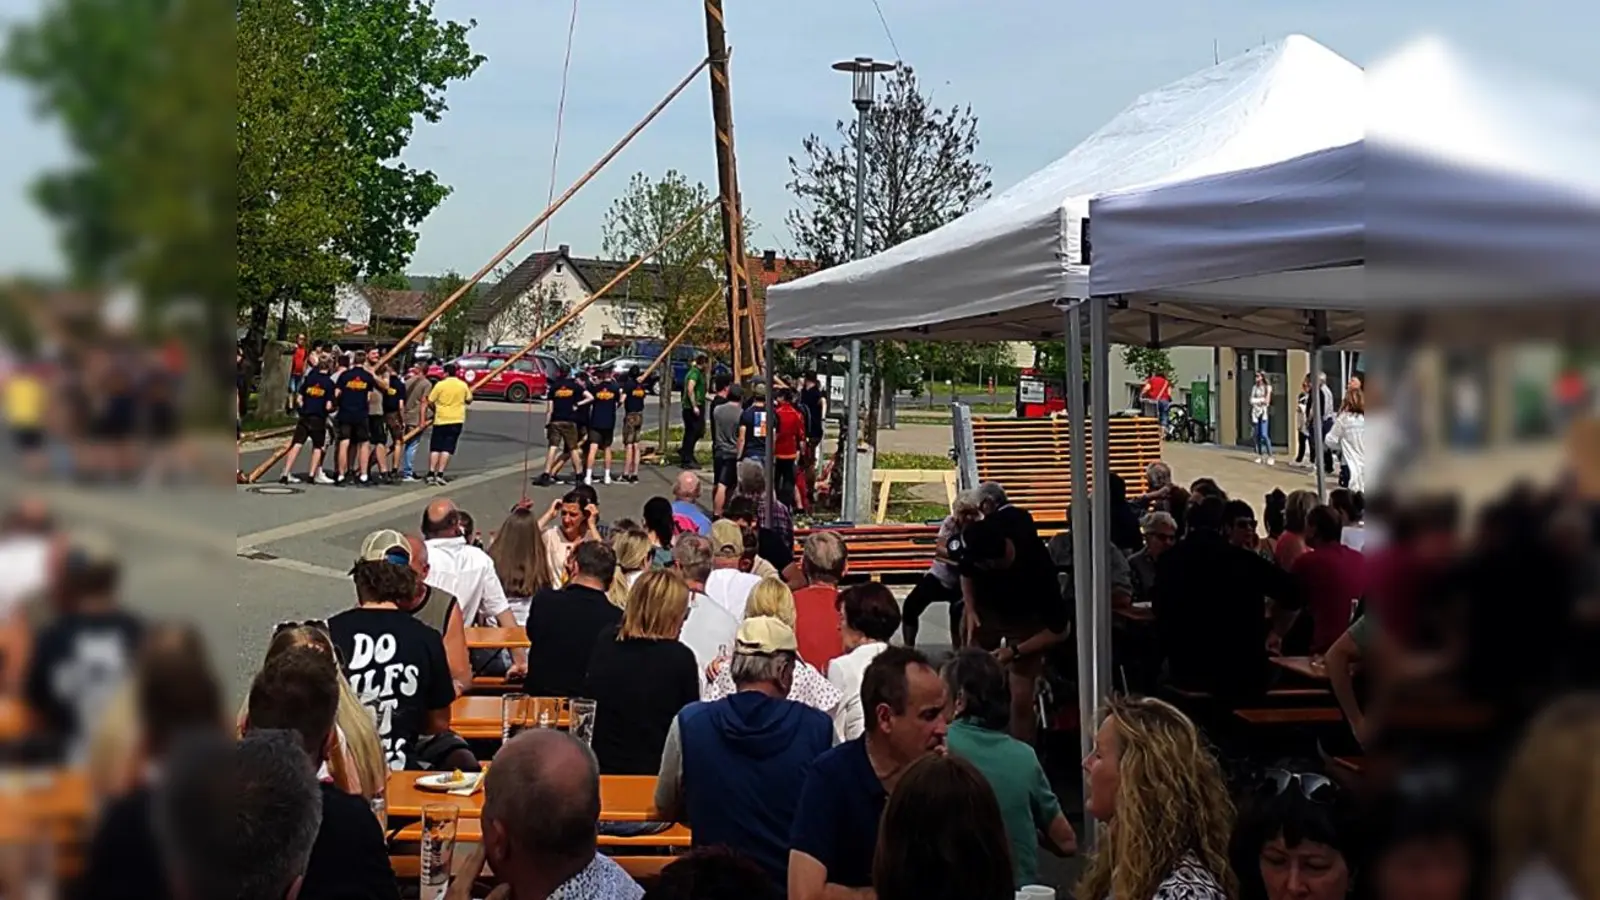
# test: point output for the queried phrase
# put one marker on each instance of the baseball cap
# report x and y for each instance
(763, 636)
(727, 539)
(758, 391)
(385, 545)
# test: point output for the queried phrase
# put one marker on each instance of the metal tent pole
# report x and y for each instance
(852, 396)
(1100, 497)
(1319, 337)
(770, 425)
(1088, 697)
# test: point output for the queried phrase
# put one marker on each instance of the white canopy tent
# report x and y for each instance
(997, 272)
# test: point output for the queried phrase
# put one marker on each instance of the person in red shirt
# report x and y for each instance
(1332, 578)
(1158, 389)
(816, 606)
(787, 444)
(297, 369)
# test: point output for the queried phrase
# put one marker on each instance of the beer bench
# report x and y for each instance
(1032, 459)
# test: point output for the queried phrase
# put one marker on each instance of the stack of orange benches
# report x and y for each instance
(884, 553)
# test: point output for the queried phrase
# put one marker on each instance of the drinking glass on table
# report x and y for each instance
(580, 712)
(438, 848)
(380, 808)
(546, 712)
(516, 715)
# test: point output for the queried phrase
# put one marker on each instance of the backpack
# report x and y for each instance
(682, 524)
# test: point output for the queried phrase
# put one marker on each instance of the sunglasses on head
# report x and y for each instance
(319, 624)
(1313, 787)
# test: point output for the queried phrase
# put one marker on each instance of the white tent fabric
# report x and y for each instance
(994, 273)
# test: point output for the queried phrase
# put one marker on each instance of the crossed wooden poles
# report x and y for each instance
(444, 307)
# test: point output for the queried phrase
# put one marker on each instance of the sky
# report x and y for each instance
(1040, 75)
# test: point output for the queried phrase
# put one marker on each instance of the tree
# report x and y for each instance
(638, 220)
(922, 172)
(1147, 361)
(524, 318)
(449, 333)
(390, 62)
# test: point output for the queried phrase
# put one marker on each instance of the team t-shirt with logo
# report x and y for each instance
(753, 425)
(393, 391)
(634, 393)
(564, 396)
(603, 411)
(316, 395)
(354, 385)
(78, 664)
(397, 667)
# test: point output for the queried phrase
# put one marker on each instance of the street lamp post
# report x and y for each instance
(863, 71)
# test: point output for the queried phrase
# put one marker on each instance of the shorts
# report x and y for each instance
(725, 471)
(562, 436)
(28, 438)
(312, 428)
(993, 625)
(395, 425)
(444, 438)
(354, 431)
(118, 421)
(632, 424)
(376, 433)
(601, 437)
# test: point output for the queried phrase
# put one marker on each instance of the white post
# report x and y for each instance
(1319, 328)
(1088, 695)
(770, 424)
(1100, 535)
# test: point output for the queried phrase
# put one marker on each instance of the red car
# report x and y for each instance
(527, 378)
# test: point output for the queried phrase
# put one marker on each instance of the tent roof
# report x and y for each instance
(994, 273)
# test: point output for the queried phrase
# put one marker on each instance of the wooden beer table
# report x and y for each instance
(623, 798)
(477, 717)
(482, 638)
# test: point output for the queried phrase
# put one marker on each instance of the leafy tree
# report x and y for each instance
(638, 220)
(922, 171)
(390, 62)
(449, 334)
(1147, 361)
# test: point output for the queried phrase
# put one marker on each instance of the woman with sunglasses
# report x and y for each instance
(1295, 840)
(356, 764)
(1164, 813)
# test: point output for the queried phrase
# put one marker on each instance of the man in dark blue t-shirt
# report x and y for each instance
(351, 392)
(836, 825)
(634, 390)
(566, 396)
(603, 421)
(753, 426)
(316, 403)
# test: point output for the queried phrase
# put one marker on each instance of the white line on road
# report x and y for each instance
(305, 568)
(377, 507)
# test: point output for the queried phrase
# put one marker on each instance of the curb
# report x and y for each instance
(264, 434)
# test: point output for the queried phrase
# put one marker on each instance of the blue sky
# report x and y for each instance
(1039, 75)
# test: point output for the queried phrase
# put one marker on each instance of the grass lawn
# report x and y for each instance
(928, 461)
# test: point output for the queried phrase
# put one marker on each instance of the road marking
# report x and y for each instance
(304, 568)
(377, 507)
(103, 506)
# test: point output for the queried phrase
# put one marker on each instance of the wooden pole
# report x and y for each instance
(743, 344)
(507, 250)
(577, 309)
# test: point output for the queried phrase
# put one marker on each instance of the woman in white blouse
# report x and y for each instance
(772, 598)
(1348, 437)
(868, 617)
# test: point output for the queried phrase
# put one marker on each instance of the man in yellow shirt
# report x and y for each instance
(448, 403)
(25, 396)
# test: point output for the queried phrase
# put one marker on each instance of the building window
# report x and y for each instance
(558, 268)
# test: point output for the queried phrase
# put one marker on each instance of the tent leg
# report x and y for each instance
(852, 435)
(1078, 522)
(771, 437)
(1100, 495)
(1319, 337)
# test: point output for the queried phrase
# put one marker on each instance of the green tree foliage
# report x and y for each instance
(449, 334)
(922, 172)
(1147, 361)
(638, 220)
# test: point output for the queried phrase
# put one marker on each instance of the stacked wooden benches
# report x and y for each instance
(882, 552)
(1032, 459)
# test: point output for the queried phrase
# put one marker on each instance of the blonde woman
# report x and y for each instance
(771, 597)
(640, 676)
(1547, 810)
(1164, 815)
(357, 764)
(632, 546)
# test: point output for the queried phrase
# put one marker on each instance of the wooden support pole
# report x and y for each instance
(507, 250)
(577, 309)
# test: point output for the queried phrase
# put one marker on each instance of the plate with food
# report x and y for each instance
(450, 781)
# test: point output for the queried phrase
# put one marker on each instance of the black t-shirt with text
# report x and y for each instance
(811, 404)
(393, 392)
(316, 394)
(603, 411)
(564, 396)
(753, 427)
(78, 664)
(398, 668)
(633, 392)
(354, 385)
(1028, 589)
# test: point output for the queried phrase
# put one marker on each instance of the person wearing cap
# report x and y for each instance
(725, 413)
(396, 663)
(80, 659)
(634, 392)
(735, 768)
(729, 585)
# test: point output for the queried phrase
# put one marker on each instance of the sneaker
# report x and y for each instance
(322, 478)
(283, 479)
(1271, 461)
(363, 482)
(440, 480)
(608, 478)
(408, 477)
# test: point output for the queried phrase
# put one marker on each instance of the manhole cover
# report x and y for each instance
(276, 489)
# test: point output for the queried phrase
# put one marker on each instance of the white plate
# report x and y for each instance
(442, 781)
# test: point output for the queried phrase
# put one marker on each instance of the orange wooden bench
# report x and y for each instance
(470, 831)
(1032, 459)
(877, 552)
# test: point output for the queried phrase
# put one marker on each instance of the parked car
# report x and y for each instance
(526, 379)
(619, 366)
